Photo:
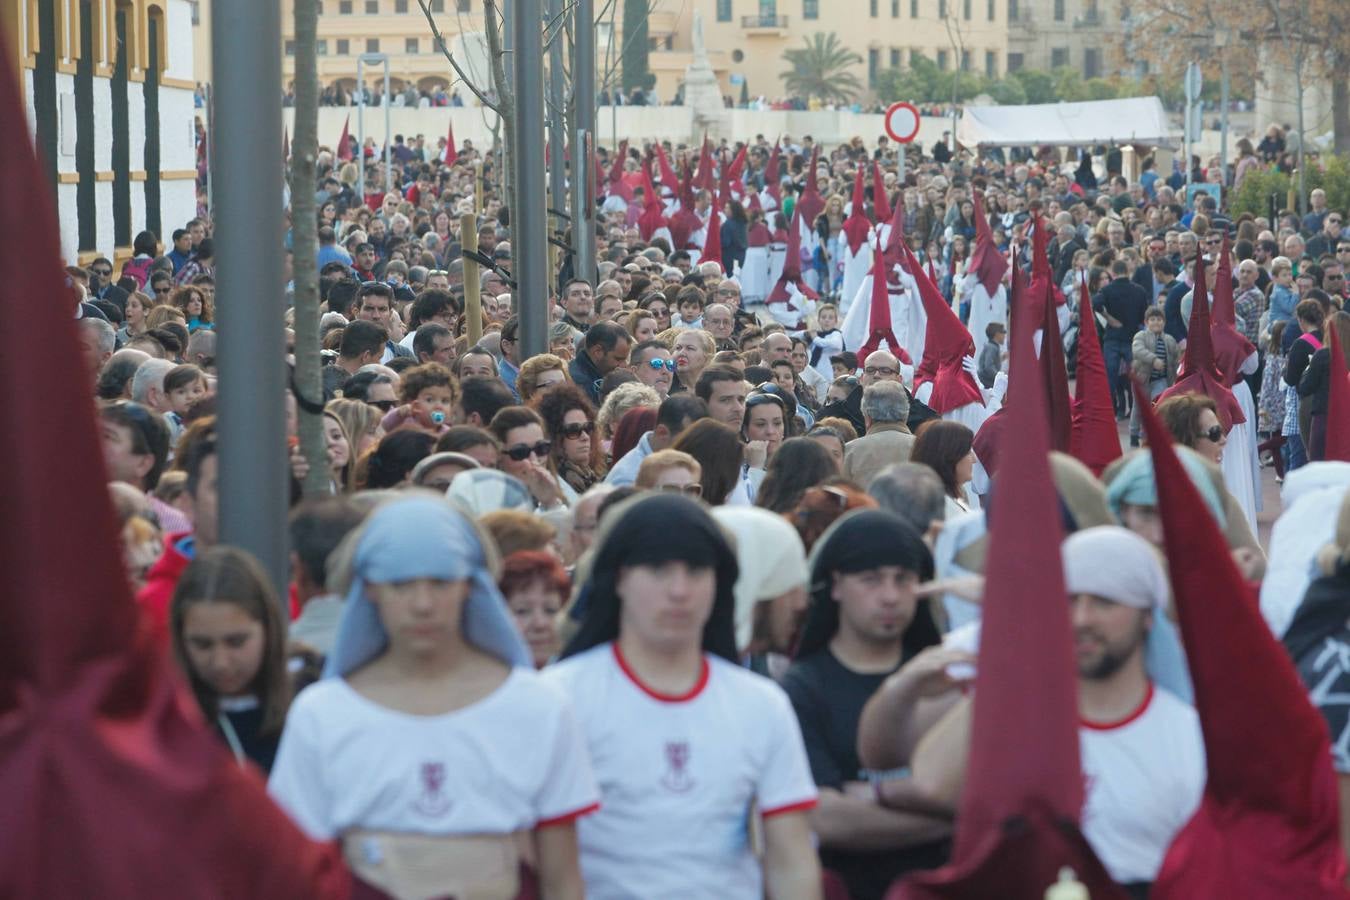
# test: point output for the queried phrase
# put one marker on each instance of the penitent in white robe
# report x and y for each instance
(1241, 467)
(984, 309)
(908, 319)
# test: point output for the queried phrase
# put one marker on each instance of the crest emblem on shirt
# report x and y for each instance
(677, 778)
(432, 800)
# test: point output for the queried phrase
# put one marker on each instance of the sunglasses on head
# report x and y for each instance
(522, 451)
(659, 364)
(1214, 434)
(577, 429)
(384, 405)
(689, 490)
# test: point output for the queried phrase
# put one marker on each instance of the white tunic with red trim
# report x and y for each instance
(679, 776)
(514, 760)
(1143, 776)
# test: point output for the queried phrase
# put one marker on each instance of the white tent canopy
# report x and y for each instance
(1134, 120)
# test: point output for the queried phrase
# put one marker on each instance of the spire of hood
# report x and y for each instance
(712, 243)
(810, 202)
(792, 267)
(653, 216)
(879, 325)
(1095, 441)
(1054, 369)
(1018, 823)
(103, 752)
(1338, 400)
(669, 180)
(1267, 827)
(1231, 347)
(1199, 372)
(987, 263)
(344, 147)
(616, 186)
(895, 239)
(703, 178)
(881, 204)
(451, 151)
(857, 225)
(737, 166)
(946, 344)
(771, 175)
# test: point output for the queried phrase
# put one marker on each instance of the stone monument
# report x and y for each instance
(702, 93)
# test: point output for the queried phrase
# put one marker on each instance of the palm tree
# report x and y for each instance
(820, 68)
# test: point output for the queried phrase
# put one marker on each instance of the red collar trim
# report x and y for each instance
(1121, 723)
(693, 692)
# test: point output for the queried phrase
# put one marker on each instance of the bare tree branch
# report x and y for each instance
(445, 51)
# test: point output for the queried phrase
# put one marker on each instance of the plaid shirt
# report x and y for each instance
(1250, 305)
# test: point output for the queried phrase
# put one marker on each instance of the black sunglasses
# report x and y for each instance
(576, 430)
(522, 451)
(384, 405)
(1214, 434)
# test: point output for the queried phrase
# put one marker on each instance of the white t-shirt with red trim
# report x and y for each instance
(514, 760)
(1144, 776)
(680, 777)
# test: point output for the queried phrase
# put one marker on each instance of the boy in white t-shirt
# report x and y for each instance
(692, 752)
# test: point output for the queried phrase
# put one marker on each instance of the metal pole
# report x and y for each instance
(1223, 118)
(210, 156)
(557, 129)
(583, 195)
(253, 479)
(529, 229)
(388, 134)
(901, 176)
(361, 128)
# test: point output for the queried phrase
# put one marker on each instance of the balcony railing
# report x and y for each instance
(1023, 20)
(1090, 19)
(764, 21)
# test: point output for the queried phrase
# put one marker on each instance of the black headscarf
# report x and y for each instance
(651, 530)
(861, 540)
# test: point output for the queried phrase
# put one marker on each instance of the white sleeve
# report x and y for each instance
(785, 782)
(568, 789)
(1251, 364)
(296, 782)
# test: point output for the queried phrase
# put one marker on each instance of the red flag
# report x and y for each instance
(1055, 373)
(1095, 441)
(881, 204)
(1267, 827)
(986, 262)
(810, 203)
(879, 325)
(344, 147)
(946, 343)
(1019, 818)
(712, 243)
(856, 226)
(792, 267)
(451, 152)
(1199, 372)
(771, 173)
(1338, 401)
(114, 786)
(1231, 347)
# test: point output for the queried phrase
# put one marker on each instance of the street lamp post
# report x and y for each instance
(363, 60)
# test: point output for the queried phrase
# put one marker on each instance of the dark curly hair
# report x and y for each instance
(417, 379)
(553, 407)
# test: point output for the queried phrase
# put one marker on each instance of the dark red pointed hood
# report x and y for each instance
(881, 204)
(946, 344)
(1268, 823)
(1199, 371)
(451, 151)
(669, 180)
(771, 175)
(1023, 794)
(810, 203)
(1231, 347)
(344, 147)
(857, 225)
(1095, 441)
(653, 216)
(712, 244)
(986, 262)
(113, 785)
(792, 267)
(1054, 368)
(879, 325)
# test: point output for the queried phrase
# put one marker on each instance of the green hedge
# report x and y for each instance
(1330, 173)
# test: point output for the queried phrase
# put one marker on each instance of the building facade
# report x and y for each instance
(1085, 35)
(109, 92)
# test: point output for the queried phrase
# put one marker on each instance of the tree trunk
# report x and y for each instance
(506, 104)
(304, 245)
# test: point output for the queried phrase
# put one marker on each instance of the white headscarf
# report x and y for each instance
(771, 557)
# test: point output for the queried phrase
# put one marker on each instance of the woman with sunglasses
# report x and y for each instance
(656, 304)
(527, 455)
(569, 421)
(1193, 420)
(538, 375)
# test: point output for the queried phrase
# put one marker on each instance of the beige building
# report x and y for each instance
(1085, 35)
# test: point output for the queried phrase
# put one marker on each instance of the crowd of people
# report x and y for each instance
(689, 605)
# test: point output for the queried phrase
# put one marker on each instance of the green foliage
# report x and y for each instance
(1038, 86)
(1330, 173)
(636, 72)
(1258, 186)
(924, 82)
(820, 68)
(1007, 92)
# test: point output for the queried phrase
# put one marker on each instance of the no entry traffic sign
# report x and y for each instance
(902, 122)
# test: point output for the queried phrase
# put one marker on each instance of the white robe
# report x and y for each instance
(908, 319)
(971, 415)
(754, 275)
(857, 266)
(1311, 498)
(1241, 468)
(984, 309)
(777, 256)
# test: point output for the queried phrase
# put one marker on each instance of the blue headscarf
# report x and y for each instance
(421, 537)
(1134, 483)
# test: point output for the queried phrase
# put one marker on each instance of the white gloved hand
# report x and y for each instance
(968, 363)
(1001, 385)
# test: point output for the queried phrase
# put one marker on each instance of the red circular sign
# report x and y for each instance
(902, 122)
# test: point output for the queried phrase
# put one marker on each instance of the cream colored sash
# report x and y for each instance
(419, 867)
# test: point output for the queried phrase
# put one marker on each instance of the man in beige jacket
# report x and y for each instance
(885, 409)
